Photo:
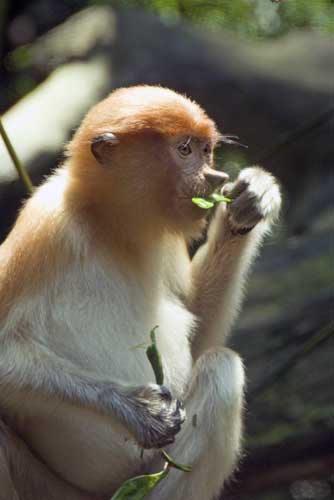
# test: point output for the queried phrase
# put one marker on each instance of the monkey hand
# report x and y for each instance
(256, 197)
(159, 416)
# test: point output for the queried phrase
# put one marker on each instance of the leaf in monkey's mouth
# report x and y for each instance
(203, 203)
(209, 202)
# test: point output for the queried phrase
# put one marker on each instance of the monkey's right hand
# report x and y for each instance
(157, 416)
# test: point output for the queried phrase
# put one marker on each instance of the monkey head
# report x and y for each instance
(147, 151)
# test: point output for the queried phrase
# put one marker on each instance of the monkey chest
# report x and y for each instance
(108, 332)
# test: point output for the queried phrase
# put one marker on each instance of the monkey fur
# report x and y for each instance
(97, 258)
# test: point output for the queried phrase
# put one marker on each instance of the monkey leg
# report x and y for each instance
(24, 477)
(210, 438)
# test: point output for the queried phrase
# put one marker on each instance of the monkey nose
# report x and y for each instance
(214, 177)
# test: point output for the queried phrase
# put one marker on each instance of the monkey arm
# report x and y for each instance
(28, 366)
(218, 273)
(219, 269)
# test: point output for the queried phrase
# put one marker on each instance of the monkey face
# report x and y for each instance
(193, 172)
(145, 152)
(156, 176)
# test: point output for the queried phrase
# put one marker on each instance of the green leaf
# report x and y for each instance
(155, 359)
(218, 198)
(202, 203)
(172, 463)
(138, 487)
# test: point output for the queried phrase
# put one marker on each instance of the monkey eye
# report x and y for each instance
(185, 148)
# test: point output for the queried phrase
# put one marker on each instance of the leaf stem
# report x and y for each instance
(18, 165)
(172, 463)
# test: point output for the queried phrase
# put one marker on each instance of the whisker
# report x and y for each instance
(231, 139)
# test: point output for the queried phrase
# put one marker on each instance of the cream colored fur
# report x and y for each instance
(72, 309)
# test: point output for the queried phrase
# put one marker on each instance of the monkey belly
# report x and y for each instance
(92, 452)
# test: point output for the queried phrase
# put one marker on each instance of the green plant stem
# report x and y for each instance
(155, 359)
(18, 165)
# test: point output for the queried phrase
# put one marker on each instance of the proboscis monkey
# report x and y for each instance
(97, 258)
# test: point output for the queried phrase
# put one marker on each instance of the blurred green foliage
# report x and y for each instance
(21, 22)
(249, 18)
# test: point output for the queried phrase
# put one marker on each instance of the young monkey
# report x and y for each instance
(97, 258)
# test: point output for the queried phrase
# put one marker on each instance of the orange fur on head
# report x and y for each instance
(134, 193)
(139, 109)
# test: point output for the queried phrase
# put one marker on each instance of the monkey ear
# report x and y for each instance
(101, 143)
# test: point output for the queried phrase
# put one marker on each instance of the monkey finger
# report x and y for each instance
(245, 211)
(234, 189)
(165, 394)
(166, 442)
(180, 411)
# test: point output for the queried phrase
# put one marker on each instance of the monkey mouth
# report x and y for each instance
(189, 198)
(201, 192)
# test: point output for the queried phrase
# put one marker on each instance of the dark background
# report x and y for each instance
(263, 70)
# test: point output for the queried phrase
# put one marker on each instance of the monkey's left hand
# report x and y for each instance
(256, 197)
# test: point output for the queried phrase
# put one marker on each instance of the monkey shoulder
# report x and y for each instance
(37, 253)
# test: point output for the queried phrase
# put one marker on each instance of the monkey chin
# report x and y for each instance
(189, 220)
